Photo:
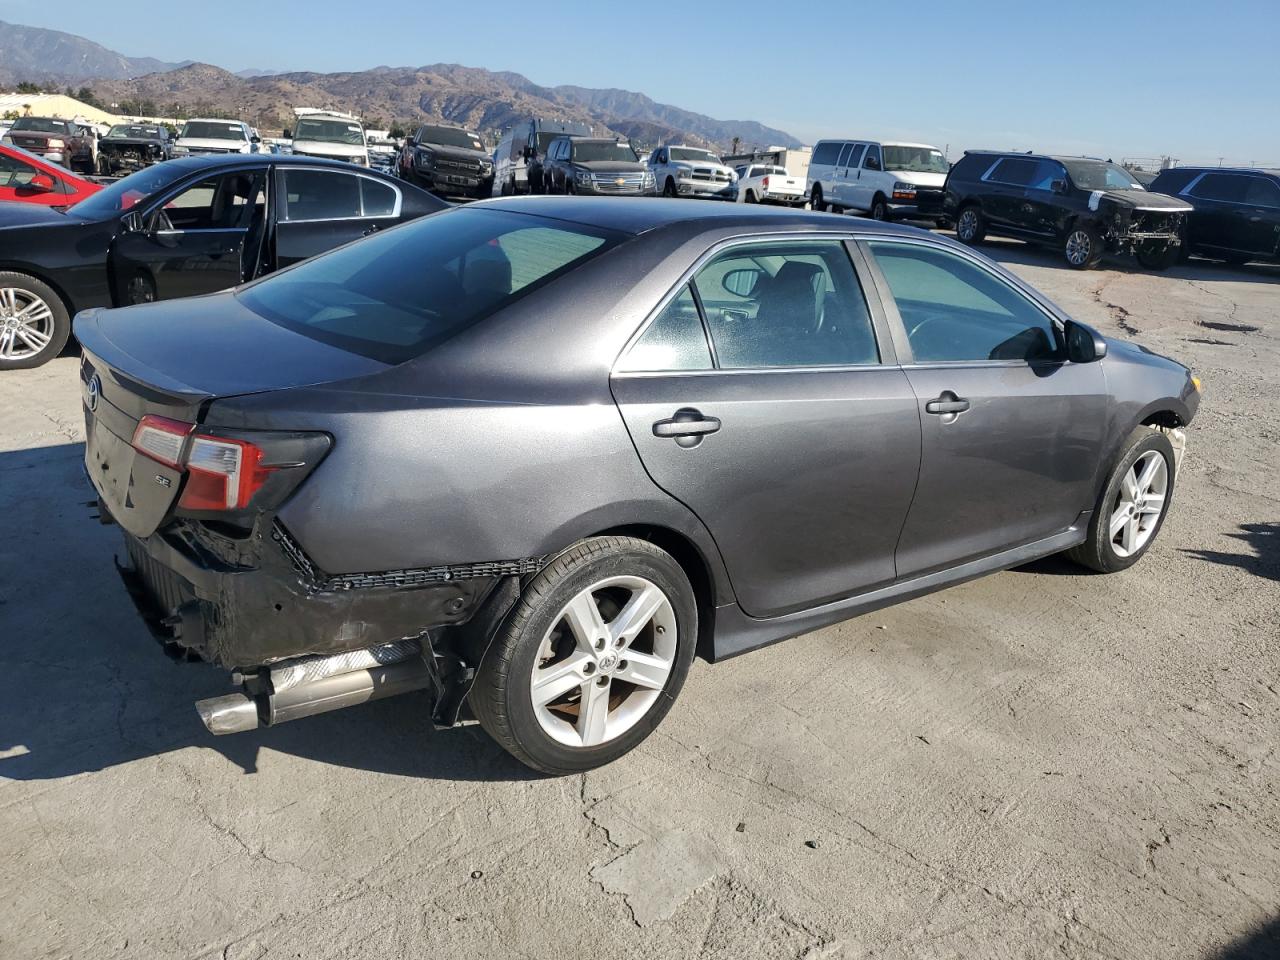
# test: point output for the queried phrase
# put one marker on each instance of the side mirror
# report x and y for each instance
(1084, 344)
(1058, 186)
(255, 139)
(288, 134)
(42, 183)
(741, 282)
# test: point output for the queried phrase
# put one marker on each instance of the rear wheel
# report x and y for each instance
(34, 323)
(751, 197)
(970, 227)
(815, 199)
(591, 658)
(1133, 504)
(1082, 247)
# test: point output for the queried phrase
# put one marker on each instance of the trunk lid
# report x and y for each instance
(172, 360)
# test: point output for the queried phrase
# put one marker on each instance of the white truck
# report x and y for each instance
(329, 134)
(764, 183)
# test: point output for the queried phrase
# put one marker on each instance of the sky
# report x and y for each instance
(1127, 78)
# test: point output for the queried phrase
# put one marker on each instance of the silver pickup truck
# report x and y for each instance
(681, 171)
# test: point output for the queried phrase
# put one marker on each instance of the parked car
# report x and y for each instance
(133, 146)
(384, 152)
(448, 161)
(882, 179)
(178, 229)
(58, 141)
(762, 183)
(681, 171)
(314, 473)
(518, 160)
(26, 178)
(1082, 206)
(1235, 213)
(331, 136)
(595, 166)
(203, 137)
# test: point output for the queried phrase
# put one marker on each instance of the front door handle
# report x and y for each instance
(947, 403)
(687, 427)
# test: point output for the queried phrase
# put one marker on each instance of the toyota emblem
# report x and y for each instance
(92, 392)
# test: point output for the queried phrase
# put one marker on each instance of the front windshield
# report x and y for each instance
(689, 153)
(915, 160)
(212, 130)
(41, 125)
(135, 130)
(587, 151)
(126, 193)
(450, 137)
(329, 131)
(1100, 175)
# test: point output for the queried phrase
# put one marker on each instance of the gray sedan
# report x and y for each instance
(535, 454)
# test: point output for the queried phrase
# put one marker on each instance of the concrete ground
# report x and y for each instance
(1037, 764)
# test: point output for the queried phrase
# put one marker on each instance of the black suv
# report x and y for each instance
(1082, 206)
(595, 166)
(447, 161)
(1236, 215)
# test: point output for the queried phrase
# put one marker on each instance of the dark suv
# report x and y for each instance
(447, 161)
(1236, 215)
(1082, 206)
(595, 166)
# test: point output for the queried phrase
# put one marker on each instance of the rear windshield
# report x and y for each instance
(397, 294)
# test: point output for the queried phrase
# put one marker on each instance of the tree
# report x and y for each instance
(26, 86)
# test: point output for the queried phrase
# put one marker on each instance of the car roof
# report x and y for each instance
(636, 216)
(1265, 171)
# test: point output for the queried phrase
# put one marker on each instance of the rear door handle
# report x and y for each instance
(947, 402)
(687, 427)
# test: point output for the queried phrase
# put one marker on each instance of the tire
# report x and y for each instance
(1082, 247)
(1156, 256)
(942, 223)
(669, 188)
(815, 200)
(538, 637)
(1100, 550)
(34, 323)
(971, 226)
(104, 166)
(879, 209)
(751, 197)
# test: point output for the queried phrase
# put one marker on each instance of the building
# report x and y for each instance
(795, 159)
(62, 107)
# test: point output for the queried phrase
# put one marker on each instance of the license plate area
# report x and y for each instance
(137, 490)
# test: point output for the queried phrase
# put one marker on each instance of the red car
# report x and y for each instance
(29, 179)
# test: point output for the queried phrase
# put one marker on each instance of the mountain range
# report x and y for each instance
(483, 100)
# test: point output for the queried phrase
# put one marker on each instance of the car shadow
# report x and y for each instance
(1261, 944)
(84, 687)
(1263, 539)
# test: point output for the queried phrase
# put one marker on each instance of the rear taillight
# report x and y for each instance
(765, 183)
(223, 474)
(162, 439)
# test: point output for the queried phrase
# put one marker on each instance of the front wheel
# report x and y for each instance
(591, 657)
(1082, 247)
(879, 209)
(970, 227)
(669, 188)
(1133, 504)
(34, 323)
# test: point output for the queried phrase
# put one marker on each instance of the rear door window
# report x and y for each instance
(1227, 187)
(398, 293)
(855, 158)
(675, 340)
(1262, 193)
(1015, 171)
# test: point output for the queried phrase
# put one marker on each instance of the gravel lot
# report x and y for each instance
(1039, 763)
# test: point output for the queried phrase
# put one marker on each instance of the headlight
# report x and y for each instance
(582, 177)
(904, 191)
(179, 151)
(424, 157)
(57, 143)
(648, 178)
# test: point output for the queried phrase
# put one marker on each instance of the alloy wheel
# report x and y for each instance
(967, 225)
(26, 324)
(604, 662)
(1079, 246)
(1139, 504)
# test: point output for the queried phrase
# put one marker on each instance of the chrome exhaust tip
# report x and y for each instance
(233, 713)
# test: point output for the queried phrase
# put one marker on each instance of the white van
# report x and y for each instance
(878, 178)
(329, 135)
